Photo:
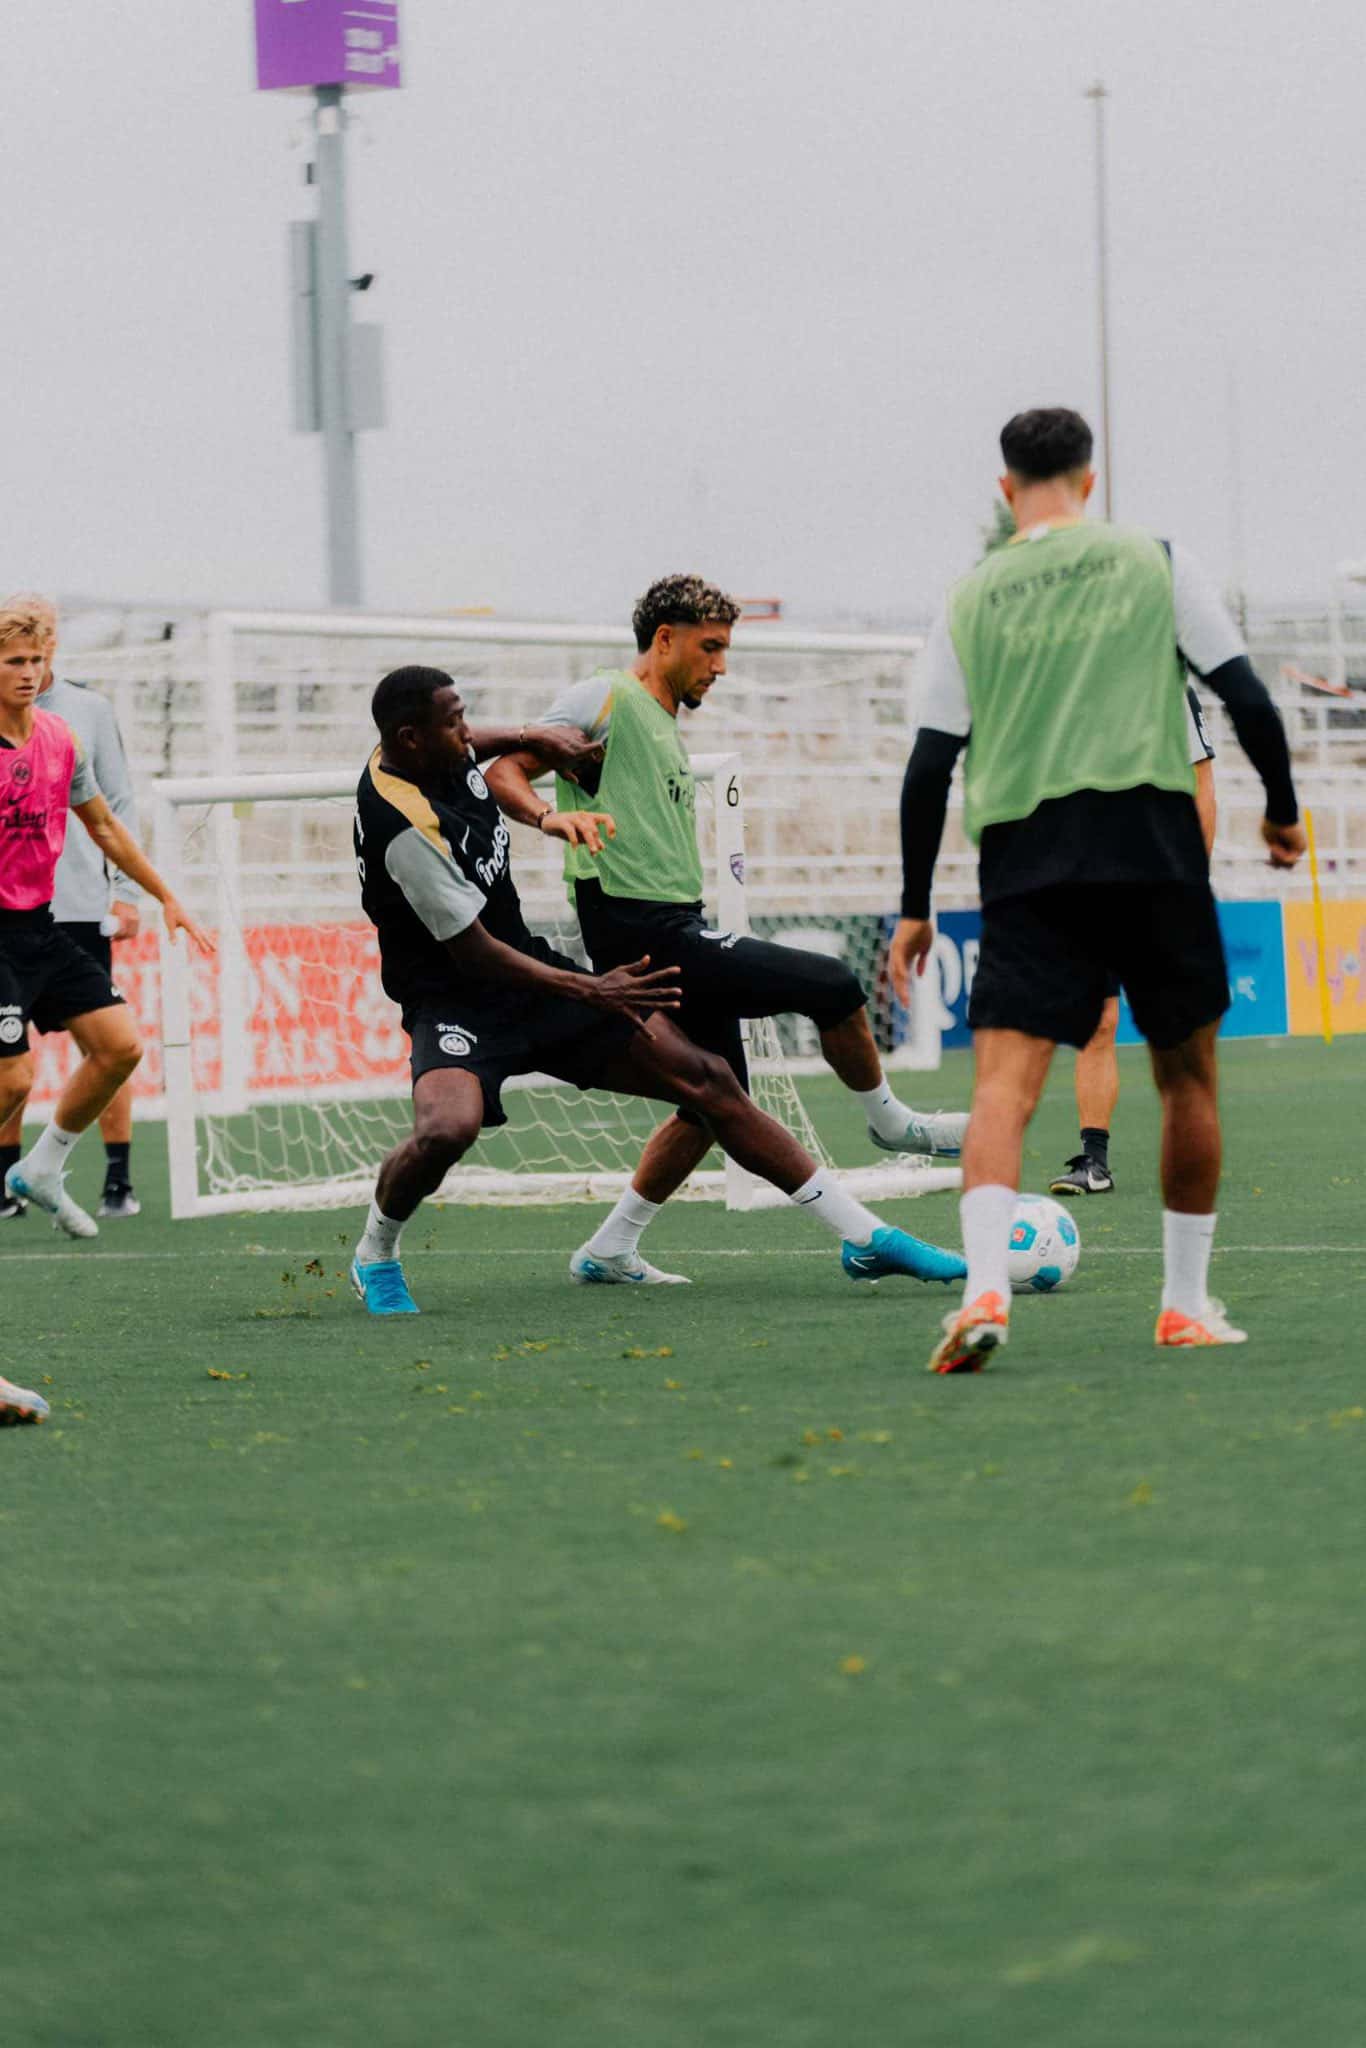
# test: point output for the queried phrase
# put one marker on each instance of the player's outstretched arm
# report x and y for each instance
(538, 749)
(120, 848)
(630, 992)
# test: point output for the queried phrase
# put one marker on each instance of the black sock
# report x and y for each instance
(116, 1165)
(9, 1156)
(1096, 1145)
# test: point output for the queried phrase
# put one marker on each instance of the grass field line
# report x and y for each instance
(527, 1251)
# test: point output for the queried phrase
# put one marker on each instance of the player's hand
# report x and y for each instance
(129, 921)
(1287, 843)
(579, 828)
(634, 991)
(565, 749)
(912, 944)
(177, 921)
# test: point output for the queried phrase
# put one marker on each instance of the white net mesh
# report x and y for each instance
(299, 1062)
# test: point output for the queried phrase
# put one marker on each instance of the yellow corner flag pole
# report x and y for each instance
(1320, 938)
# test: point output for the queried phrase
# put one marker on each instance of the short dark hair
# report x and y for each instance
(680, 601)
(404, 697)
(1049, 441)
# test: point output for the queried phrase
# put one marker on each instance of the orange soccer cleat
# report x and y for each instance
(971, 1334)
(1176, 1331)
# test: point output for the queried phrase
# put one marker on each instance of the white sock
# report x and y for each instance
(986, 1214)
(824, 1198)
(379, 1239)
(620, 1232)
(52, 1153)
(1187, 1242)
(884, 1112)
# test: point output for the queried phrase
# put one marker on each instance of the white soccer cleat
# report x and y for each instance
(619, 1269)
(939, 1134)
(53, 1197)
(18, 1404)
(1178, 1332)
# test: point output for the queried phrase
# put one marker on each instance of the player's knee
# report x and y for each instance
(712, 1084)
(16, 1082)
(444, 1137)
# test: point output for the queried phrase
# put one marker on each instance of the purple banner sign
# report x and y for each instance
(300, 43)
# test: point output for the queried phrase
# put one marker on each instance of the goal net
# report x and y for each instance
(285, 1064)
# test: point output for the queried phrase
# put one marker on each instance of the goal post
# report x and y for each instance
(286, 1070)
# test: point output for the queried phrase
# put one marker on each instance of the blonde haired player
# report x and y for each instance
(45, 978)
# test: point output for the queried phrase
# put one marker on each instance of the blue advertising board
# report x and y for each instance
(1256, 972)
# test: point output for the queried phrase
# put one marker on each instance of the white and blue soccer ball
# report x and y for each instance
(1045, 1245)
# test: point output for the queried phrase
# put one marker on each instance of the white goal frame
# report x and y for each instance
(229, 794)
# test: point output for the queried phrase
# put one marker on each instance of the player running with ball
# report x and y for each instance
(483, 999)
(643, 894)
(45, 978)
(1059, 663)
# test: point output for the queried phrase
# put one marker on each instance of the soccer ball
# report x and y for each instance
(1045, 1245)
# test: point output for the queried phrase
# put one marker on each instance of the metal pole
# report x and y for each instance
(1098, 95)
(334, 346)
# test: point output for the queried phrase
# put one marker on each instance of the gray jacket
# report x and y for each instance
(86, 885)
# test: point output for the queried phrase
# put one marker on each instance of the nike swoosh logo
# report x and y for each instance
(805, 1201)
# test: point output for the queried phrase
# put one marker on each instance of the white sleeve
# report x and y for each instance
(1205, 630)
(585, 705)
(942, 698)
(443, 896)
(1197, 738)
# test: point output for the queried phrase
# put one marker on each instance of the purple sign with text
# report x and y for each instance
(300, 43)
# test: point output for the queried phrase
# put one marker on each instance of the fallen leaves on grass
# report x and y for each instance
(675, 1524)
(853, 1667)
(1142, 1495)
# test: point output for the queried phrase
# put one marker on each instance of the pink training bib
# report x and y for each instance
(35, 788)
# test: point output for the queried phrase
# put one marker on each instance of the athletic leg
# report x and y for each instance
(116, 1129)
(110, 1048)
(448, 1113)
(1097, 1084)
(16, 1078)
(663, 1065)
(1010, 1070)
(1192, 1154)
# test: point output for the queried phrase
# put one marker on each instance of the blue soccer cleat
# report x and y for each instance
(890, 1250)
(383, 1289)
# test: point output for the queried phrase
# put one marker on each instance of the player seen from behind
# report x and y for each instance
(483, 999)
(1060, 663)
(643, 893)
(45, 978)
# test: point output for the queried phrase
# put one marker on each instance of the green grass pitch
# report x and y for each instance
(681, 1671)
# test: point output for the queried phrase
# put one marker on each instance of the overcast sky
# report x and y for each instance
(746, 286)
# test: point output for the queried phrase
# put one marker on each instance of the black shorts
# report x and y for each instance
(725, 977)
(49, 973)
(530, 1035)
(1048, 960)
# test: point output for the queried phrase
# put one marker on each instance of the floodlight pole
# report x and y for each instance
(334, 352)
(1098, 95)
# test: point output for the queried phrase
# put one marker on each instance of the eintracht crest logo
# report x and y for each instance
(11, 1026)
(737, 866)
(476, 784)
(456, 1041)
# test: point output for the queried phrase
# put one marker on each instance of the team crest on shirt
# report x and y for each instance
(476, 784)
(11, 1025)
(455, 1040)
(20, 773)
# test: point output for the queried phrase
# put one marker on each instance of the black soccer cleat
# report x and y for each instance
(10, 1205)
(1084, 1176)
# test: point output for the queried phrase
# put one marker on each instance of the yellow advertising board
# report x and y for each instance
(1345, 954)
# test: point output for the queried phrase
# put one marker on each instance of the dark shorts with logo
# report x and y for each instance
(725, 978)
(49, 973)
(1050, 958)
(528, 1034)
